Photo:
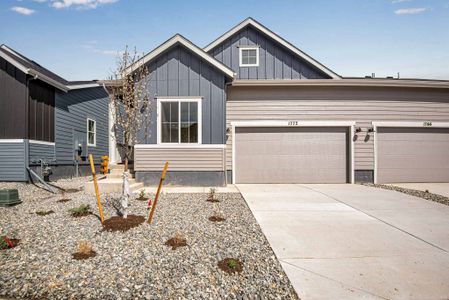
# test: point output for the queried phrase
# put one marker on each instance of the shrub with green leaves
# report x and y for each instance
(142, 194)
(3, 243)
(82, 210)
(232, 263)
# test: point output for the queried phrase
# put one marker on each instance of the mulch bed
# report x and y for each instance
(421, 194)
(82, 255)
(14, 242)
(216, 219)
(214, 200)
(121, 224)
(175, 243)
(63, 200)
(143, 199)
(44, 213)
(225, 265)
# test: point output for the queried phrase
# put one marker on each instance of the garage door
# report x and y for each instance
(412, 155)
(291, 155)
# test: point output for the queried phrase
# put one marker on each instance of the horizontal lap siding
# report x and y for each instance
(180, 159)
(72, 110)
(12, 162)
(39, 151)
(349, 104)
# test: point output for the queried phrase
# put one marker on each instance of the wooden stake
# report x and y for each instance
(100, 208)
(157, 193)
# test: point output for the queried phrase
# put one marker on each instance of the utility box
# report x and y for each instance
(9, 197)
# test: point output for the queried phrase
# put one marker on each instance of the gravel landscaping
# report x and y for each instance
(136, 264)
(421, 194)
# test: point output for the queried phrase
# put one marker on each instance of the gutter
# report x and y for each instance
(344, 82)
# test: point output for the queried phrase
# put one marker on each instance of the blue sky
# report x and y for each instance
(78, 39)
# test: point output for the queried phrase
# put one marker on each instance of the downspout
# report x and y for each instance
(27, 123)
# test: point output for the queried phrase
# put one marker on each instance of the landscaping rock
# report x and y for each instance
(135, 264)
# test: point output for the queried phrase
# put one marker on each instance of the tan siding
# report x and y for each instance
(180, 159)
(363, 105)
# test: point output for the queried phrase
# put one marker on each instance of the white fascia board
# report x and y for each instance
(14, 63)
(42, 142)
(82, 86)
(179, 146)
(179, 39)
(293, 123)
(7, 141)
(417, 124)
(277, 39)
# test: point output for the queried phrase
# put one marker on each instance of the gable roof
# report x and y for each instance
(179, 39)
(32, 68)
(277, 38)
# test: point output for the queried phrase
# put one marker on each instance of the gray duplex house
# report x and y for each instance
(47, 121)
(250, 107)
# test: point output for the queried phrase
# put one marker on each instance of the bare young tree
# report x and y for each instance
(129, 95)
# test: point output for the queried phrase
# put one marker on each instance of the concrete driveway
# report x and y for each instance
(355, 242)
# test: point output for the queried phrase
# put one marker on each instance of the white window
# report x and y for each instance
(249, 56)
(179, 121)
(91, 132)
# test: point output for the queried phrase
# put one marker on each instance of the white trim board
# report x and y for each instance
(277, 38)
(5, 141)
(42, 143)
(241, 49)
(189, 45)
(400, 124)
(179, 146)
(282, 123)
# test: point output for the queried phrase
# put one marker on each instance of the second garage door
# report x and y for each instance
(291, 155)
(412, 155)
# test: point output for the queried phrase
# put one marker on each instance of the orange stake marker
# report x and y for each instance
(157, 193)
(100, 208)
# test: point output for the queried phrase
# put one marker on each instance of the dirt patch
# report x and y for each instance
(84, 255)
(175, 243)
(143, 199)
(231, 265)
(217, 219)
(213, 200)
(121, 224)
(44, 213)
(64, 200)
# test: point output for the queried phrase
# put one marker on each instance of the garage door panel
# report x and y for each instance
(413, 155)
(291, 155)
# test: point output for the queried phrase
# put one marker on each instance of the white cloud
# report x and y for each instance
(80, 4)
(23, 10)
(411, 11)
(91, 46)
(399, 1)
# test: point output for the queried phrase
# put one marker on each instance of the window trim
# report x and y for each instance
(94, 132)
(241, 48)
(198, 100)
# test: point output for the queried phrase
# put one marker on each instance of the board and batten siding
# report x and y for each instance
(275, 62)
(362, 105)
(180, 73)
(38, 151)
(13, 161)
(71, 113)
(186, 158)
(13, 93)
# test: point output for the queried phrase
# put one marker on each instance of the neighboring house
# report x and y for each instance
(48, 121)
(252, 108)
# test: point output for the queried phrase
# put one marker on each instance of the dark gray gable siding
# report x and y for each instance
(13, 93)
(275, 62)
(71, 113)
(179, 72)
(13, 161)
(41, 151)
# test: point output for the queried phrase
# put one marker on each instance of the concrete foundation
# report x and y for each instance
(183, 178)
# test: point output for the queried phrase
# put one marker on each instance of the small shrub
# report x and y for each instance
(176, 241)
(232, 263)
(142, 193)
(211, 195)
(82, 210)
(3, 244)
(85, 251)
(217, 217)
(44, 213)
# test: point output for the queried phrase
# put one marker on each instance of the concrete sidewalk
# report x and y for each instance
(355, 242)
